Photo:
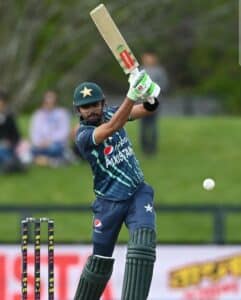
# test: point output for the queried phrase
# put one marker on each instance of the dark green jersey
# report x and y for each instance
(116, 170)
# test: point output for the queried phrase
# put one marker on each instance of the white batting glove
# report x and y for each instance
(133, 75)
(140, 84)
(152, 92)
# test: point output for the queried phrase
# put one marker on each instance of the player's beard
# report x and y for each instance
(94, 119)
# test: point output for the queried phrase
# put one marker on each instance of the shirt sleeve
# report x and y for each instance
(85, 140)
(110, 111)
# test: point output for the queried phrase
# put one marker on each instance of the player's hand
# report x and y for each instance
(142, 87)
(140, 84)
(153, 92)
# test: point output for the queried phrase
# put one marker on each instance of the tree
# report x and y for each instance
(54, 44)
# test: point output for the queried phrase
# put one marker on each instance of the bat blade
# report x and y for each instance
(114, 39)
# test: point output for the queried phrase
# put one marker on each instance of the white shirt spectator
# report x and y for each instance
(50, 126)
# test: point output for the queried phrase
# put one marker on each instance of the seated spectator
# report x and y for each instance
(9, 139)
(49, 132)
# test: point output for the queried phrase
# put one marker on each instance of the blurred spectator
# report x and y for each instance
(49, 132)
(9, 139)
(149, 125)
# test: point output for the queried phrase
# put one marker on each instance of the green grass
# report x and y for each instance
(190, 150)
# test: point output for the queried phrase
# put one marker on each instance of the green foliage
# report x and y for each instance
(54, 44)
(190, 151)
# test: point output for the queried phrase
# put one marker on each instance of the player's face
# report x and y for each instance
(49, 101)
(92, 113)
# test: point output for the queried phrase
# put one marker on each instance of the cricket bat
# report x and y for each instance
(114, 39)
(117, 43)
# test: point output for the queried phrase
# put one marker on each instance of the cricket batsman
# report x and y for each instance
(122, 195)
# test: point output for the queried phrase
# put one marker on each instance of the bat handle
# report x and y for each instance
(135, 72)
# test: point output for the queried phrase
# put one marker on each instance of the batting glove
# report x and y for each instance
(140, 84)
(142, 87)
(153, 92)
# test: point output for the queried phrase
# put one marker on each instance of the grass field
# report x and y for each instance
(190, 150)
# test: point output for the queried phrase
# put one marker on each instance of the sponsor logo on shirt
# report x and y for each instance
(119, 157)
(108, 150)
(97, 223)
(121, 151)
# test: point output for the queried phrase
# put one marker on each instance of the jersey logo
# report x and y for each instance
(148, 208)
(108, 150)
(86, 92)
(97, 223)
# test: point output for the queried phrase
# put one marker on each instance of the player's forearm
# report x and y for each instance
(140, 86)
(144, 109)
(138, 112)
(122, 114)
(116, 122)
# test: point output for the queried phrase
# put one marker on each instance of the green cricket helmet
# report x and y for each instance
(87, 93)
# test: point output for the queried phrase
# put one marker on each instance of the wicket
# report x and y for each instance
(25, 224)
